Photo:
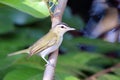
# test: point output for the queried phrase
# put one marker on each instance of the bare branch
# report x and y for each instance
(56, 18)
(57, 15)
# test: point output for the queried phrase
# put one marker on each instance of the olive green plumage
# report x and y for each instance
(48, 43)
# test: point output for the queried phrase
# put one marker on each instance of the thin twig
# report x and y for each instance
(94, 77)
(58, 12)
(57, 17)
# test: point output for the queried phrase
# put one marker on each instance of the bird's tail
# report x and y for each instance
(19, 52)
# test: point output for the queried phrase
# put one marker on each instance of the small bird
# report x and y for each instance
(48, 43)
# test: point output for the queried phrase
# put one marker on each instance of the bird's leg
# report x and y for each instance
(43, 54)
(43, 57)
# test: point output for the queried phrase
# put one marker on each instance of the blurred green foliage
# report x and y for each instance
(19, 30)
(37, 8)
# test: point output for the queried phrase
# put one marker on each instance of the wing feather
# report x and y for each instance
(42, 44)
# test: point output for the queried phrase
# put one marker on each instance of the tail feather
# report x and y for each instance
(19, 52)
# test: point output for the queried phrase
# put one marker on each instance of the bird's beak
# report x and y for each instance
(69, 28)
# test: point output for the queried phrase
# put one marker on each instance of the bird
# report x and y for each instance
(48, 43)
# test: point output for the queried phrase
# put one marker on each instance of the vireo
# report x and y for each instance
(48, 43)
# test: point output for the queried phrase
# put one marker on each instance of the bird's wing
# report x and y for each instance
(43, 43)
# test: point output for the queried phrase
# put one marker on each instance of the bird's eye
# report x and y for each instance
(62, 26)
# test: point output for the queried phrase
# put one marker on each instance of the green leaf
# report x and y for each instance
(24, 74)
(71, 78)
(117, 71)
(101, 46)
(10, 16)
(7, 62)
(78, 61)
(109, 77)
(34, 62)
(18, 17)
(64, 76)
(6, 26)
(35, 8)
(18, 40)
(1, 5)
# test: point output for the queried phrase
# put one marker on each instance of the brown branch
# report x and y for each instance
(58, 13)
(57, 17)
(94, 77)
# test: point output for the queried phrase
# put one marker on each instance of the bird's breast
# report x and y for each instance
(60, 41)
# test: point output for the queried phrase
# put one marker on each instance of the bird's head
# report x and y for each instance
(61, 28)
